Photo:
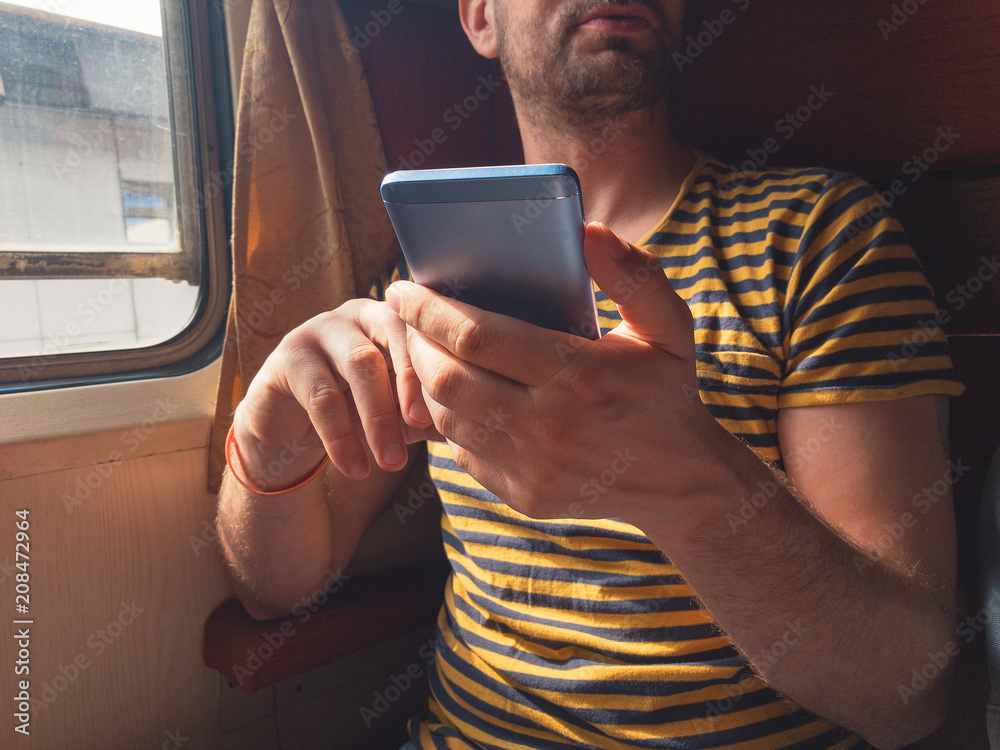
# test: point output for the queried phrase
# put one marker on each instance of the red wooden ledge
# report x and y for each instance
(359, 613)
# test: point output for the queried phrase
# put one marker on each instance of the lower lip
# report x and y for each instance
(617, 25)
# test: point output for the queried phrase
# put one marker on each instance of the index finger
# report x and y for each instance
(509, 347)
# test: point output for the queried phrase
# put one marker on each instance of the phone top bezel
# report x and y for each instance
(477, 184)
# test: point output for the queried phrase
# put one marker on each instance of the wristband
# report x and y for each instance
(231, 441)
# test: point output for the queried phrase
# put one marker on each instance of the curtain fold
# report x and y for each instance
(309, 227)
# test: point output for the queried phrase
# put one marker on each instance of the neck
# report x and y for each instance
(631, 168)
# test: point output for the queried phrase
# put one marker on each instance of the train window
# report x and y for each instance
(112, 237)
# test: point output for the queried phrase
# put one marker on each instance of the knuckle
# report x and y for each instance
(350, 309)
(445, 422)
(527, 503)
(444, 384)
(557, 436)
(306, 340)
(471, 337)
(460, 455)
(296, 341)
(403, 368)
(342, 445)
(542, 483)
(364, 360)
(392, 322)
(323, 397)
(383, 422)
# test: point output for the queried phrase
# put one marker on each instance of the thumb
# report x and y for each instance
(634, 280)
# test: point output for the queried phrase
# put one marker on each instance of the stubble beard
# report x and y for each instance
(558, 88)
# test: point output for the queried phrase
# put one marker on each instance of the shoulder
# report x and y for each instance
(802, 190)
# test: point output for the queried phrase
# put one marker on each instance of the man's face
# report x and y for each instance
(588, 59)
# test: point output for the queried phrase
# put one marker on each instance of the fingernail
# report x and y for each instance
(617, 249)
(394, 454)
(419, 413)
(359, 469)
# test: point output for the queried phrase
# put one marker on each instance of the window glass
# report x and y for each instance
(90, 227)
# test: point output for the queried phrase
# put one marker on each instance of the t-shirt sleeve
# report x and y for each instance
(398, 272)
(860, 321)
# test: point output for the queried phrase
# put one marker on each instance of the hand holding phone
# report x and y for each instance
(505, 239)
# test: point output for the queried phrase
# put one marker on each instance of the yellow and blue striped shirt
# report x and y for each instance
(570, 632)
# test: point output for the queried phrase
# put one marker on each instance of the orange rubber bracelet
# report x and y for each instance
(231, 441)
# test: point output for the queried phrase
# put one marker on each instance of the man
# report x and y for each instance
(627, 571)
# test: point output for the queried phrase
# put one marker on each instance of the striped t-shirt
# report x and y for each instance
(578, 633)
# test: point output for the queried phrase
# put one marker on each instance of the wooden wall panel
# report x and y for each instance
(128, 545)
(429, 86)
(940, 69)
(953, 221)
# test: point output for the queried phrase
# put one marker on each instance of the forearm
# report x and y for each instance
(830, 627)
(338, 386)
(279, 549)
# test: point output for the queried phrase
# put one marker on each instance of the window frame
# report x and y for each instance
(202, 143)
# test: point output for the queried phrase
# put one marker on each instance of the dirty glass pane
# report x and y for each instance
(86, 165)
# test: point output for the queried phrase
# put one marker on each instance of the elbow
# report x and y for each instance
(916, 703)
(261, 611)
(893, 738)
(276, 604)
(259, 607)
(917, 714)
(264, 608)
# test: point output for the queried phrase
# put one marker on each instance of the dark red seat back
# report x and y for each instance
(905, 93)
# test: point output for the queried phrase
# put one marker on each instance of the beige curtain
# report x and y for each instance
(309, 227)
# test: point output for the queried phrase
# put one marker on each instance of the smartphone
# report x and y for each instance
(505, 239)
